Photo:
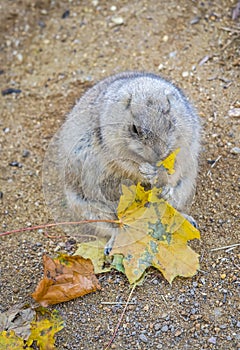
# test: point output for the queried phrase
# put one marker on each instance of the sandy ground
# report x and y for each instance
(53, 51)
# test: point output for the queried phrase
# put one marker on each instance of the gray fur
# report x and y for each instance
(116, 133)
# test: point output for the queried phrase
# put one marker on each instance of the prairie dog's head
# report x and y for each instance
(143, 119)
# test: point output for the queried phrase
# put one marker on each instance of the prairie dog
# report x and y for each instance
(117, 132)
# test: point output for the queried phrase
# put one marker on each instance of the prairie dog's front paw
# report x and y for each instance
(110, 243)
(148, 171)
(191, 220)
(167, 192)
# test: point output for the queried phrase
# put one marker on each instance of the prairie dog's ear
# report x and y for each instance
(171, 97)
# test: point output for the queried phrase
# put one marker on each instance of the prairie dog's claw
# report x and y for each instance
(148, 171)
(110, 243)
(191, 220)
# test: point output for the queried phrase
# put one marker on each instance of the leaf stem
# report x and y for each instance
(58, 224)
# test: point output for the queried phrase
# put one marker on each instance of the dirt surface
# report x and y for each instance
(53, 51)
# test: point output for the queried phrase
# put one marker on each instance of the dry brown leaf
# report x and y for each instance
(65, 278)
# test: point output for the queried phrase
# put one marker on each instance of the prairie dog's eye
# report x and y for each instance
(137, 131)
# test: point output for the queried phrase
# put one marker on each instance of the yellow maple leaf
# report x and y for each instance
(169, 162)
(9, 340)
(42, 325)
(95, 251)
(43, 331)
(153, 233)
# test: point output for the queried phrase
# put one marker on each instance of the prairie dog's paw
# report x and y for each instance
(191, 220)
(148, 171)
(110, 243)
(167, 192)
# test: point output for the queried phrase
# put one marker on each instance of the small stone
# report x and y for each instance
(11, 91)
(66, 14)
(41, 24)
(223, 326)
(212, 340)
(161, 66)
(1, 194)
(164, 328)
(223, 276)
(143, 338)
(20, 57)
(25, 153)
(165, 38)
(177, 333)
(157, 326)
(235, 150)
(185, 74)
(172, 54)
(117, 20)
(6, 130)
(113, 8)
(195, 20)
(16, 164)
(238, 324)
(234, 112)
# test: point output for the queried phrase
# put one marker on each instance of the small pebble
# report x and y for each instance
(143, 338)
(164, 328)
(25, 153)
(15, 163)
(212, 340)
(195, 20)
(177, 333)
(6, 130)
(157, 326)
(204, 60)
(41, 24)
(234, 112)
(1, 194)
(235, 150)
(185, 74)
(9, 91)
(20, 57)
(66, 14)
(165, 38)
(117, 20)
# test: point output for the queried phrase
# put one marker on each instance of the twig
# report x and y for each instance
(229, 43)
(232, 30)
(117, 303)
(57, 224)
(120, 319)
(225, 247)
(213, 165)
